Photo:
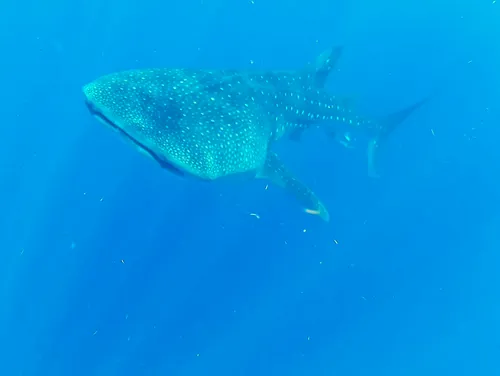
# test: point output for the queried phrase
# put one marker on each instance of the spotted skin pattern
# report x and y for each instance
(214, 123)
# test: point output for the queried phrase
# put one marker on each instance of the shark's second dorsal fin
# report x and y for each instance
(324, 64)
(277, 173)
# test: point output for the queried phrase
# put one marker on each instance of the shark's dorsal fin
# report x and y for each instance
(324, 64)
(277, 173)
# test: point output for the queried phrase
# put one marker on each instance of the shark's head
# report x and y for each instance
(112, 100)
(128, 103)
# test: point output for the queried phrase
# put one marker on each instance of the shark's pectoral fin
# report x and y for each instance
(276, 172)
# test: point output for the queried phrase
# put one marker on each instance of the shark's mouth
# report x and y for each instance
(99, 115)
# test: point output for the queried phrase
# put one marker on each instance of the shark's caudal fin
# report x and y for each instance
(277, 173)
(324, 64)
(385, 127)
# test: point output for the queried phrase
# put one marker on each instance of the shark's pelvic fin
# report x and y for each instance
(324, 64)
(385, 127)
(275, 171)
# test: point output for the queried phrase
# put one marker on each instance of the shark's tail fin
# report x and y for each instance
(385, 127)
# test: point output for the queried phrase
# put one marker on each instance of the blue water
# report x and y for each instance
(110, 265)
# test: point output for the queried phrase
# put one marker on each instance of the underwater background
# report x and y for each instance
(110, 265)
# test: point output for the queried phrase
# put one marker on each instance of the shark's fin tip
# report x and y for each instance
(321, 212)
(325, 63)
(276, 172)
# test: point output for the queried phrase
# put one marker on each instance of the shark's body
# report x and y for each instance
(215, 123)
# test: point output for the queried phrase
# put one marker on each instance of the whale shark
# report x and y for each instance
(210, 124)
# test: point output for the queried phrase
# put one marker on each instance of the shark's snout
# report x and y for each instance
(90, 106)
(88, 91)
(96, 99)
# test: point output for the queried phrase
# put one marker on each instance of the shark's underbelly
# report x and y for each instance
(216, 159)
(213, 141)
